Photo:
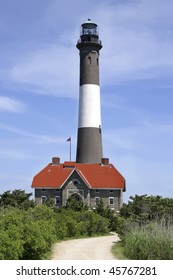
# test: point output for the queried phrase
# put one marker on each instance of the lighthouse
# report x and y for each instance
(89, 138)
(91, 177)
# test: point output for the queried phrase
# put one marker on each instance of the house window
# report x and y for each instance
(111, 191)
(57, 190)
(97, 191)
(43, 190)
(111, 201)
(97, 200)
(43, 199)
(57, 200)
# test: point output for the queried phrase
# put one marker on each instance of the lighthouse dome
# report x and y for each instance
(89, 24)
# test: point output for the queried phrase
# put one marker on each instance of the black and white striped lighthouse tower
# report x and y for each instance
(89, 140)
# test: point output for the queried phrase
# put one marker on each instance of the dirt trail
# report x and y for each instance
(95, 248)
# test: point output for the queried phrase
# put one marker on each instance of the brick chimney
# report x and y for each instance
(105, 161)
(55, 161)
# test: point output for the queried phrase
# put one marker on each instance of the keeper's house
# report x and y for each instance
(86, 182)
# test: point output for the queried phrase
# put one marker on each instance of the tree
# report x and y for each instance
(144, 208)
(107, 213)
(74, 204)
(16, 198)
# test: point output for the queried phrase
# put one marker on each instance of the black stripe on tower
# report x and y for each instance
(89, 145)
(89, 65)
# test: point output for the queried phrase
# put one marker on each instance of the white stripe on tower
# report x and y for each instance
(89, 141)
(89, 106)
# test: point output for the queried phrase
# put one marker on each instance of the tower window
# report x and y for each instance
(97, 61)
(89, 59)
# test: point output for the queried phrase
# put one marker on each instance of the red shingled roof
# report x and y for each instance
(94, 175)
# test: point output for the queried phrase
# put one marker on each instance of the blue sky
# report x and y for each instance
(39, 77)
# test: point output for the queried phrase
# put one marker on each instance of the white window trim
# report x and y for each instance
(77, 181)
(97, 197)
(58, 198)
(110, 201)
(43, 197)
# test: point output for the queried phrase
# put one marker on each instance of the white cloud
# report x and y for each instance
(35, 138)
(137, 44)
(137, 40)
(11, 105)
(50, 70)
(142, 139)
(13, 154)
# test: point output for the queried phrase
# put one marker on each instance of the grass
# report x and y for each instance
(118, 251)
(150, 242)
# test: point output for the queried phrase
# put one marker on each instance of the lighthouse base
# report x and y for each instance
(89, 145)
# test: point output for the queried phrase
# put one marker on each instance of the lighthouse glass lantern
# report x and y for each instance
(89, 33)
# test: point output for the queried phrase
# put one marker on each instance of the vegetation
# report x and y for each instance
(150, 242)
(118, 251)
(107, 213)
(145, 226)
(16, 198)
(28, 231)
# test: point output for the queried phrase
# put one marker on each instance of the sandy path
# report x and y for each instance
(95, 248)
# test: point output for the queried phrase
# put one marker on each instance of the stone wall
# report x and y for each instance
(111, 198)
(48, 193)
(75, 185)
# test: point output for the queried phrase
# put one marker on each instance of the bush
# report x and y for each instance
(39, 237)
(26, 234)
(11, 234)
(107, 213)
(95, 224)
(39, 232)
(75, 224)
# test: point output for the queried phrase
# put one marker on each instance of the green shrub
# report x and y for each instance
(75, 224)
(60, 228)
(11, 234)
(39, 237)
(11, 244)
(41, 212)
(39, 232)
(95, 224)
